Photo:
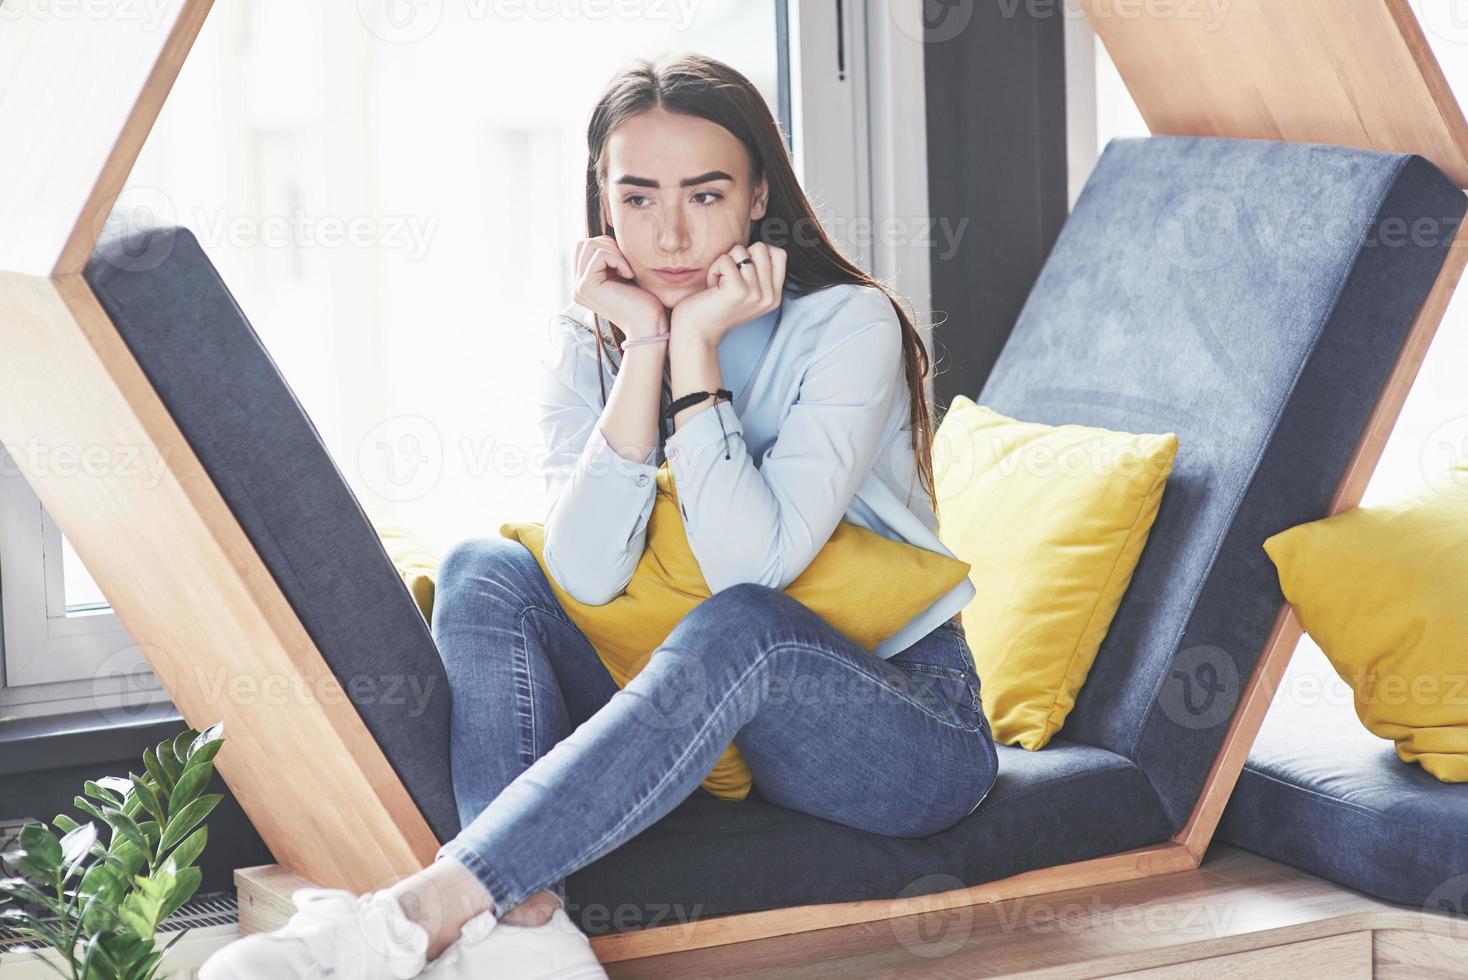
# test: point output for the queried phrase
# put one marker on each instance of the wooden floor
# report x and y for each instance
(1238, 915)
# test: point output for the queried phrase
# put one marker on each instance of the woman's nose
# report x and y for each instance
(673, 231)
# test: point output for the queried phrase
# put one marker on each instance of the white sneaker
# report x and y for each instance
(333, 934)
(486, 947)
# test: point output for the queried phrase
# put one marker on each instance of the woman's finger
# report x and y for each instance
(747, 271)
(721, 270)
(761, 255)
(608, 258)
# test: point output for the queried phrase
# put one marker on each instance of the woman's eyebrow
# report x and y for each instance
(689, 182)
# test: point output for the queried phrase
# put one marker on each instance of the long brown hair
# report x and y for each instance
(701, 86)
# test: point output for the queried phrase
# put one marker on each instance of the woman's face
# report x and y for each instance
(678, 196)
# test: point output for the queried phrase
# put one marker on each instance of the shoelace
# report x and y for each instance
(378, 916)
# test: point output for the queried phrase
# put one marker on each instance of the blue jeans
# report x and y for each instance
(554, 766)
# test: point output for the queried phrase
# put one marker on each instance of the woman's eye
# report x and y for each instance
(635, 200)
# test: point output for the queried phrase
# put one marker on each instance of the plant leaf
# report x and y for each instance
(98, 913)
(41, 851)
(181, 743)
(187, 852)
(117, 784)
(147, 797)
(190, 785)
(90, 809)
(184, 887)
(124, 825)
(164, 754)
(133, 856)
(29, 924)
(101, 793)
(210, 740)
(187, 818)
(75, 847)
(66, 824)
(205, 752)
(162, 782)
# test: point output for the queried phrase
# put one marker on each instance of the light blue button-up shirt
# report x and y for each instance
(818, 432)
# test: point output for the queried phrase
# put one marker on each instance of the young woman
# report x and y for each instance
(784, 388)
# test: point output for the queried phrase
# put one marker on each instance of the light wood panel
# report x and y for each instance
(80, 86)
(1346, 957)
(1349, 72)
(1406, 954)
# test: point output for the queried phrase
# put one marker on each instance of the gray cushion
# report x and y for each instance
(1250, 296)
(712, 857)
(1322, 793)
(263, 453)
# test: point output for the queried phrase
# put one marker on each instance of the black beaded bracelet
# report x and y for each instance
(693, 398)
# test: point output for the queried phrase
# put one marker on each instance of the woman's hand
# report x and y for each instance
(605, 284)
(734, 295)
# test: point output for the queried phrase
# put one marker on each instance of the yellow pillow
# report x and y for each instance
(865, 585)
(1053, 520)
(1381, 590)
(415, 559)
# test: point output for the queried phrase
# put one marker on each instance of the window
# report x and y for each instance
(394, 201)
(63, 647)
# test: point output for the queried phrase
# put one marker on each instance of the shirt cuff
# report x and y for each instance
(701, 439)
(601, 460)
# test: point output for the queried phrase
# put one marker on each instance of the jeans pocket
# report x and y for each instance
(951, 691)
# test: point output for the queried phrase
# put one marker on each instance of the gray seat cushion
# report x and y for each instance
(1320, 792)
(1250, 296)
(257, 444)
(711, 857)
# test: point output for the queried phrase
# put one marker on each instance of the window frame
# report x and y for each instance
(859, 127)
(52, 661)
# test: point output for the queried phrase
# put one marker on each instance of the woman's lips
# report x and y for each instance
(676, 277)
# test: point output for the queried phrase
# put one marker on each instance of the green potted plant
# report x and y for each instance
(98, 905)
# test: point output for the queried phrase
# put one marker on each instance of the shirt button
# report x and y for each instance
(642, 480)
(673, 453)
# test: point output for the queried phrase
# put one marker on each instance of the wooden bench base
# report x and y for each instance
(1237, 915)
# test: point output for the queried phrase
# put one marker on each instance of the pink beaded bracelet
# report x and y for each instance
(634, 341)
